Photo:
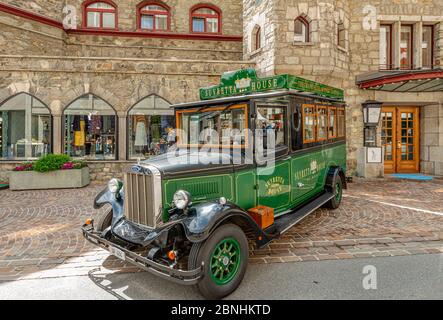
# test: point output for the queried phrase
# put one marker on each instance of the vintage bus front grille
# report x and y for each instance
(140, 199)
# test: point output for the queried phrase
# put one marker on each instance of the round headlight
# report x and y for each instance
(114, 185)
(182, 199)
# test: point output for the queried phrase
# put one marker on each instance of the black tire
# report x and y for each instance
(203, 252)
(103, 221)
(337, 189)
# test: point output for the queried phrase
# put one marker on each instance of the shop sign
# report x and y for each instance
(245, 81)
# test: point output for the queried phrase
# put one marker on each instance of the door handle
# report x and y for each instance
(398, 145)
(300, 185)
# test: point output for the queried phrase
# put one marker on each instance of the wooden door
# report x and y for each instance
(400, 139)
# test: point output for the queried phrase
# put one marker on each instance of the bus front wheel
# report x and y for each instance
(225, 256)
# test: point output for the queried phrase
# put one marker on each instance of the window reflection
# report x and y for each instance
(272, 118)
(25, 128)
(205, 20)
(90, 129)
(151, 128)
(406, 47)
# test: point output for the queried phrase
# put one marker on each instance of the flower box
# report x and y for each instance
(60, 179)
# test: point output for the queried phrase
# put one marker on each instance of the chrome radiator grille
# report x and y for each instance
(140, 204)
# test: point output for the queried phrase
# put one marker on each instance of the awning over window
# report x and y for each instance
(402, 81)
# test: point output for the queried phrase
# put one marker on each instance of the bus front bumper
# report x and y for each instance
(186, 277)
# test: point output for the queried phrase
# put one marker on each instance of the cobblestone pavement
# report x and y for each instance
(40, 230)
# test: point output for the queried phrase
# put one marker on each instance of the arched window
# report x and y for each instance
(25, 128)
(151, 126)
(90, 129)
(100, 14)
(205, 19)
(153, 16)
(341, 35)
(301, 30)
(256, 38)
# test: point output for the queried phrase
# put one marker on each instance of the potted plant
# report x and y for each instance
(54, 171)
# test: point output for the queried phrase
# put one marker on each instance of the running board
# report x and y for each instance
(284, 223)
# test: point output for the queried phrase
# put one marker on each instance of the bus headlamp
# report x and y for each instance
(115, 185)
(182, 199)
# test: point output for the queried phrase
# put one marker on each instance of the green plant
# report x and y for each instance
(51, 162)
(79, 164)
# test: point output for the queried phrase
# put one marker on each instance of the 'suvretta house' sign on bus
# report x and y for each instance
(246, 82)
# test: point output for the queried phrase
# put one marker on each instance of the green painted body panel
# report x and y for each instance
(292, 182)
(202, 189)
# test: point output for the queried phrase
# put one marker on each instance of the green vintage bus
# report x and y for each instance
(187, 215)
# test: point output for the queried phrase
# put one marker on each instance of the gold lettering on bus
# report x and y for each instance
(275, 185)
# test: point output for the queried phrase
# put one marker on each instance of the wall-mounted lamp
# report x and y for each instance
(371, 113)
(371, 119)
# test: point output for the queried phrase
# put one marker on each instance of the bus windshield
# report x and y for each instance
(220, 126)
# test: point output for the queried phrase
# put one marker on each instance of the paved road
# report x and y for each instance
(404, 277)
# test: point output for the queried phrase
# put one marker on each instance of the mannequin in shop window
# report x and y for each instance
(141, 134)
(171, 136)
(79, 125)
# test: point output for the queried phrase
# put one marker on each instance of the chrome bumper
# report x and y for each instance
(188, 277)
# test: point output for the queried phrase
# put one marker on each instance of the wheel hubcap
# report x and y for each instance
(338, 192)
(225, 261)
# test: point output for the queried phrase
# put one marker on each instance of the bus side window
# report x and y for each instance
(332, 132)
(322, 123)
(296, 128)
(340, 122)
(309, 119)
(296, 120)
(272, 119)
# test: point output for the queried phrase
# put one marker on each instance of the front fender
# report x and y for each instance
(332, 173)
(206, 217)
(116, 202)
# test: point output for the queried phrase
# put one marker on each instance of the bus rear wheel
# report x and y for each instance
(337, 190)
(225, 257)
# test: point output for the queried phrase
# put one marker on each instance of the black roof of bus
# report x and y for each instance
(272, 94)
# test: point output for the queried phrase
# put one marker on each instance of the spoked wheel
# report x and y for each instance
(225, 257)
(335, 202)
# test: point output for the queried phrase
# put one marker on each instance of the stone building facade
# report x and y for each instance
(323, 60)
(56, 64)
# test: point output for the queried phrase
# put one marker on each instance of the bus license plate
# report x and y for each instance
(118, 253)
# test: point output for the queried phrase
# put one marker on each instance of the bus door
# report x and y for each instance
(309, 125)
(273, 180)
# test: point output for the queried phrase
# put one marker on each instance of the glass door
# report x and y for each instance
(388, 138)
(407, 140)
(400, 139)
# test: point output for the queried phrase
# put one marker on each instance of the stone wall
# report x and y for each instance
(105, 46)
(47, 8)
(180, 11)
(260, 13)
(122, 82)
(22, 36)
(431, 144)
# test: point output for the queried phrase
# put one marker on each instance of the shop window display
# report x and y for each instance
(90, 129)
(25, 128)
(151, 128)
